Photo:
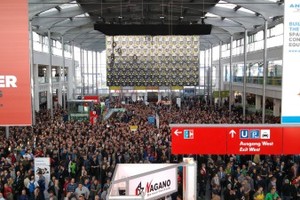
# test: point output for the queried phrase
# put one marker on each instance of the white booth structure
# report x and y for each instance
(151, 181)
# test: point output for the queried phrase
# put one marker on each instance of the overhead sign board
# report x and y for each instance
(15, 92)
(235, 139)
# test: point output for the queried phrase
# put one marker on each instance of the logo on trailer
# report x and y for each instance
(188, 134)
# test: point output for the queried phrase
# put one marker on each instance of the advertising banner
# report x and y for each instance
(143, 181)
(291, 59)
(15, 93)
(91, 97)
(42, 168)
(155, 185)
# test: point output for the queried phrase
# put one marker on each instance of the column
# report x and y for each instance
(36, 88)
(87, 72)
(204, 76)
(59, 93)
(265, 72)
(71, 76)
(81, 71)
(145, 96)
(97, 85)
(49, 76)
(33, 79)
(258, 102)
(62, 75)
(93, 74)
(159, 96)
(231, 95)
(245, 74)
(276, 107)
(211, 75)
(220, 73)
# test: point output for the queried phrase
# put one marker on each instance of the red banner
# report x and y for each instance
(15, 94)
(94, 98)
(239, 139)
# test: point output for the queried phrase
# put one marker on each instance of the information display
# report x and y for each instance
(152, 60)
(235, 139)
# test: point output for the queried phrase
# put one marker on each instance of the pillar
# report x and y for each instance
(231, 94)
(258, 102)
(265, 70)
(49, 76)
(36, 86)
(159, 96)
(220, 79)
(245, 74)
(59, 93)
(276, 107)
(145, 97)
(49, 89)
(71, 75)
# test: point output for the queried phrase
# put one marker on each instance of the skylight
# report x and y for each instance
(224, 4)
(69, 5)
(83, 15)
(210, 15)
(246, 10)
(49, 11)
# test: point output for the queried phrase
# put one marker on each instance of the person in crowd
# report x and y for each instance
(82, 190)
(1, 196)
(52, 195)
(259, 194)
(23, 195)
(272, 194)
(229, 193)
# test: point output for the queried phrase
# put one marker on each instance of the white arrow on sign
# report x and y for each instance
(176, 132)
(232, 133)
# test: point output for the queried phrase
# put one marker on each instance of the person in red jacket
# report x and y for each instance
(8, 192)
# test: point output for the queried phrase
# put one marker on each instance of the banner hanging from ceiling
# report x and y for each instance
(15, 93)
(291, 58)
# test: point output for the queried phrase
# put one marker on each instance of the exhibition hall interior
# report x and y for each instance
(150, 99)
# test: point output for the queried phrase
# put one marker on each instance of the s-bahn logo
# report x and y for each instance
(152, 188)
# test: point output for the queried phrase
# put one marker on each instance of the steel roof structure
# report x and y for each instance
(74, 20)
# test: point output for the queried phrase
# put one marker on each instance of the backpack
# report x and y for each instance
(42, 184)
(31, 187)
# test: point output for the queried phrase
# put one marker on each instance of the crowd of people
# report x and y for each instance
(83, 156)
